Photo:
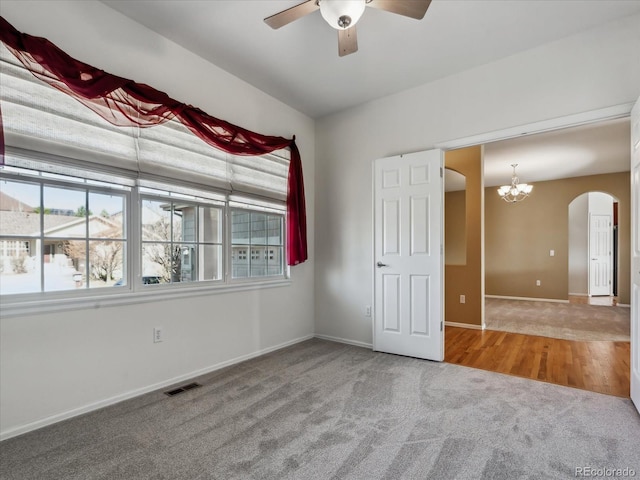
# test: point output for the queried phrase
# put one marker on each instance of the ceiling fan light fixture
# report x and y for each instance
(341, 14)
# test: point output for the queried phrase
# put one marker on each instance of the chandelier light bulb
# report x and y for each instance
(515, 192)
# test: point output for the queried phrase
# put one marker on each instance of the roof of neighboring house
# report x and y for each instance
(98, 226)
(28, 223)
(10, 204)
(18, 218)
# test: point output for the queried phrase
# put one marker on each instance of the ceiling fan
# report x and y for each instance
(343, 15)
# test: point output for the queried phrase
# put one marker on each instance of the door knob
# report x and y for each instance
(380, 264)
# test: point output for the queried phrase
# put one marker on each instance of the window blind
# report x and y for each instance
(39, 118)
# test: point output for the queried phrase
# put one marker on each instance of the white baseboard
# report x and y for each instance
(530, 299)
(464, 325)
(344, 340)
(15, 431)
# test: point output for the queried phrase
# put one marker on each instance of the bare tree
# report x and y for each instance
(76, 251)
(166, 255)
(105, 258)
(168, 258)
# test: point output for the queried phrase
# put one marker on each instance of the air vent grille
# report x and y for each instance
(182, 389)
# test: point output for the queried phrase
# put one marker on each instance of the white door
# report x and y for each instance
(635, 254)
(408, 219)
(600, 239)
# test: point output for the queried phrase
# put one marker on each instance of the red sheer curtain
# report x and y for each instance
(124, 102)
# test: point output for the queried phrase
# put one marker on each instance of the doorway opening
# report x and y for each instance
(593, 249)
(542, 276)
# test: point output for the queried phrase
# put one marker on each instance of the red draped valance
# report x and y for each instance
(124, 102)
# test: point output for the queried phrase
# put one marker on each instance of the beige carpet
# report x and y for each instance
(320, 410)
(558, 320)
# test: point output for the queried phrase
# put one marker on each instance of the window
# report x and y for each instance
(262, 234)
(61, 235)
(181, 240)
(86, 205)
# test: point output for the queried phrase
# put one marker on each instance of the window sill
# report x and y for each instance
(24, 307)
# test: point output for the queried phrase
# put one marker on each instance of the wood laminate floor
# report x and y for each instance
(598, 366)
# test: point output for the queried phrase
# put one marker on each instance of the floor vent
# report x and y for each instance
(182, 389)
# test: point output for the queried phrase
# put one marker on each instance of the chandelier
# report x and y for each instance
(516, 191)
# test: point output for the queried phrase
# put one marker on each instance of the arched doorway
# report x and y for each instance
(593, 268)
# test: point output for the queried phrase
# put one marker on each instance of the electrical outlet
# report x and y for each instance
(462, 299)
(158, 335)
(552, 253)
(537, 283)
(367, 311)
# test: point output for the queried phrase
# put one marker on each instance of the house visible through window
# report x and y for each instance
(181, 241)
(60, 232)
(261, 233)
(61, 235)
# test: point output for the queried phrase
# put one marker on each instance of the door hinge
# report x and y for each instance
(441, 172)
(441, 325)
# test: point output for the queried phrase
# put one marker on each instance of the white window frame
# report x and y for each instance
(262, 207)
(167, 154)
(199, 202)
(42, 182)
(134, 291)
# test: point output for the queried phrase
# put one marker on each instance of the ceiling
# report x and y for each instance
(299, 63)
(591, 149)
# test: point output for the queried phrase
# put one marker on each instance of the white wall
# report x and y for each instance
(596, 69)
(56, 365)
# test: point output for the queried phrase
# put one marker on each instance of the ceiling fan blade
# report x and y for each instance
(284, 17)
(408, 8)
(347, 41)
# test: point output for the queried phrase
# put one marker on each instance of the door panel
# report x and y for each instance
(600, 237)
(391, 226)
(420, 295)
(635, 254)
(408, 201)
(419, 228)
(391, 303)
